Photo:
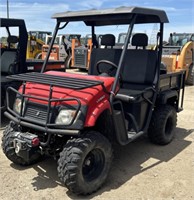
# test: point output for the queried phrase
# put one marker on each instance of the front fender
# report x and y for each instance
(94, 113)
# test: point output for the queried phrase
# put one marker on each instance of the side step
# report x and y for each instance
(133, 135)
(122, 134)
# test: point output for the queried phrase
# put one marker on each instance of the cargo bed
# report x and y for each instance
(172, 80)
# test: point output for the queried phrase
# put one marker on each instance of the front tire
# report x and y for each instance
(84, 163)
(68, 62)
(162, 125)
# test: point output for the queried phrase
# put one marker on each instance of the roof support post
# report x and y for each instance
(50, 47)
(129, 32)
(51, 44)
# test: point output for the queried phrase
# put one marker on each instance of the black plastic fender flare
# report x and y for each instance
(165, 96)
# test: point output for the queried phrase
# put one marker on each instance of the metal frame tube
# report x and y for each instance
(51, 45)
(130, 29)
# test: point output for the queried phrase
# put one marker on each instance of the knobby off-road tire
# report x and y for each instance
(84, 163)
(190, 77)
(163, 123)
(38, 56)
(9, 150)
(68, 62)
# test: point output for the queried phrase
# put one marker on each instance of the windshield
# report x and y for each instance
(74, 37)
(41, 35)
(179, 39)
(49, 38)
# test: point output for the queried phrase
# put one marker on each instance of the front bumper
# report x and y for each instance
(41, 117)
(41, 128)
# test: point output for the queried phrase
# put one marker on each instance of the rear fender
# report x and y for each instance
(165, 96)
(94, 113)
(169, 97)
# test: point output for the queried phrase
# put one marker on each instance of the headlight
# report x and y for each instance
(65, 117)
(17, 105)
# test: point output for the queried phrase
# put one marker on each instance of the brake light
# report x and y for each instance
(35, 142)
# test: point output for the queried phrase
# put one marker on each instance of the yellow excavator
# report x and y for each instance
(36, 39)
(178, 54)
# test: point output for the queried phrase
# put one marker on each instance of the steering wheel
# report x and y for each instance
(107, 71)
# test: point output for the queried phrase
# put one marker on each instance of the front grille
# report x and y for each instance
(81, 57)
(36, 112)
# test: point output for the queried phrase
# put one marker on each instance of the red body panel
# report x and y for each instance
(95, 98)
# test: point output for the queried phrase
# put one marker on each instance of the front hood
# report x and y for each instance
(41, 92)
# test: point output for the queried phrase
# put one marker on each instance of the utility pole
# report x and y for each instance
(7, 8)
(153, 37)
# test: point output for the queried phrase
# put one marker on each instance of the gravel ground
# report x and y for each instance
(140, 170)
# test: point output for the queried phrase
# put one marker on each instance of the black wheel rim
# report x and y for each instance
(93, 165)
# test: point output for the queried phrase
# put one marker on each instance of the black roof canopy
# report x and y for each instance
(7, 22)
(113, 16)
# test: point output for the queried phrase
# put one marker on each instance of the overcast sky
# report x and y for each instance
(37, 13)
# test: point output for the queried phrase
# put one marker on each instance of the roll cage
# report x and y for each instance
(114, 16)
(22, 40)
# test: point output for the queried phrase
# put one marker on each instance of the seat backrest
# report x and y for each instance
(12, 39)
(139, 40)
(109, 54)
(7, 58)
(112, 55)
(139, 65)
(108, 40)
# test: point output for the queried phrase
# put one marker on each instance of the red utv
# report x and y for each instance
(76, 118)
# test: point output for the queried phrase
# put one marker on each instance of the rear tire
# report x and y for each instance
(162, 125)
(190, 77)
(84, 163)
